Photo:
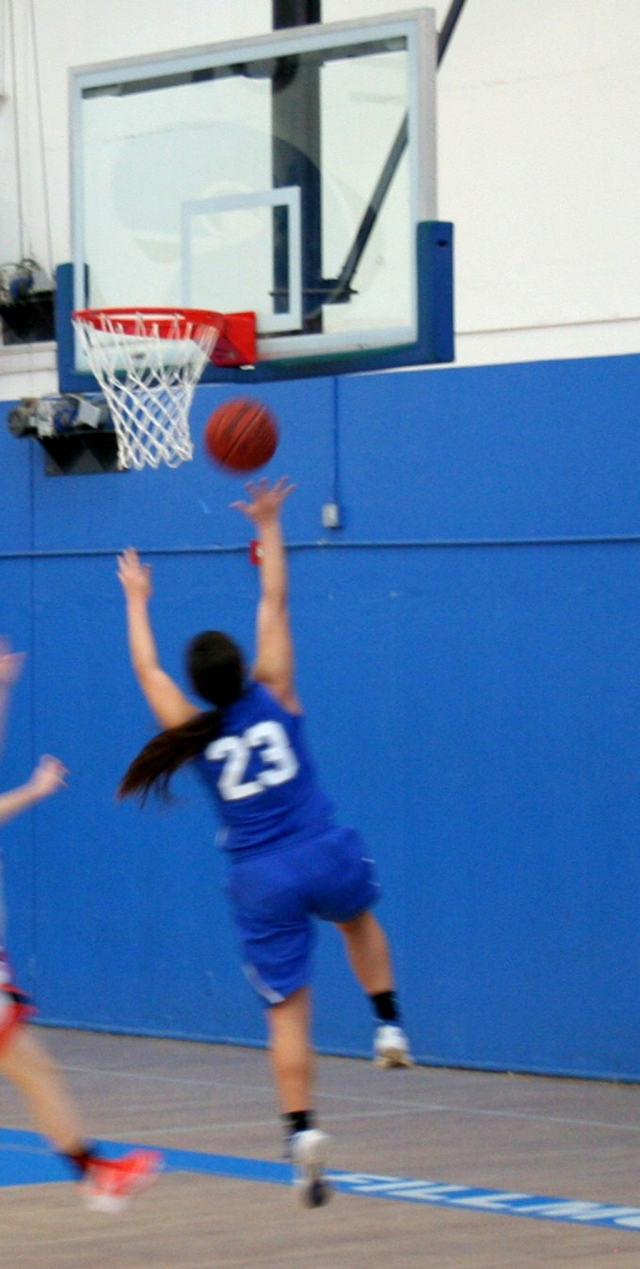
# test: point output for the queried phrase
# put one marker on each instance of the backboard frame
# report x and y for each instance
(427, 336)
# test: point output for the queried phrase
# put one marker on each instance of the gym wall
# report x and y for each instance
(469, 655)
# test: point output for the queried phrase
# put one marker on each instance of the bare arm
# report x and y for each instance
(274, 662)
(48, 777)
(166, 700)
(10, 667)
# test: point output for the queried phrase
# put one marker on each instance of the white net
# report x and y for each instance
(148, 366)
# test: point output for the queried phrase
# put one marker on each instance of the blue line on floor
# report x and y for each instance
(25, 1160)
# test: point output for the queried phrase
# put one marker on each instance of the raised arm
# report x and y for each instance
(167, 701)
(274, 661)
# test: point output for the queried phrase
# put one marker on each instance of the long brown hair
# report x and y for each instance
(215, 667)
(154, 766)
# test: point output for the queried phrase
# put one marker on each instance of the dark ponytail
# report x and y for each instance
(156, 763)
(215, 666)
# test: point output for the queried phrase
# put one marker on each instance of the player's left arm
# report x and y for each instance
(48, 777)
(10, 667)
(274, 663)
(166, 699)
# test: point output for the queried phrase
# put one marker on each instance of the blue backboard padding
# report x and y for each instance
(434, 342)
(468, 653)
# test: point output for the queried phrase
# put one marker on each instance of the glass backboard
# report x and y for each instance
(287, 175)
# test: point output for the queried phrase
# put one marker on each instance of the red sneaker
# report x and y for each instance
(109, 1184)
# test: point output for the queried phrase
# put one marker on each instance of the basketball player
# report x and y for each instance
(106, 1184)
(289, 861)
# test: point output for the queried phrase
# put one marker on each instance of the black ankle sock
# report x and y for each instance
(298, 1121)
(385, 1006)
(81, 1159)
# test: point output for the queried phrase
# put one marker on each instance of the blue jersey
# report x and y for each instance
(261, 776)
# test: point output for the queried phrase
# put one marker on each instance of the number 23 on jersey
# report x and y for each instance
(279, 762)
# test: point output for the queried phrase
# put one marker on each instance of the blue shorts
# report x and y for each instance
(276, 894)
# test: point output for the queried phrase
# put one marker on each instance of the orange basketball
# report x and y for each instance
(241, 435)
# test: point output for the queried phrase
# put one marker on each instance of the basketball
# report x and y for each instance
(241, 435)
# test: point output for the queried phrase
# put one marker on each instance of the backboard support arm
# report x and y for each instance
(342, 284)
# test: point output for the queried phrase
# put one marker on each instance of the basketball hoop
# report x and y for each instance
(148, 362)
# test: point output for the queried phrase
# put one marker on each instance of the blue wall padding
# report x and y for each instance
(469, 654)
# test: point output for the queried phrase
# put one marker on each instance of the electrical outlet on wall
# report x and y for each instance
(331, 515)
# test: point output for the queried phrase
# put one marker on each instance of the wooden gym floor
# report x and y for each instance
(434, 1167)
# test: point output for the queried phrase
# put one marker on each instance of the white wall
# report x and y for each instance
(539, 138)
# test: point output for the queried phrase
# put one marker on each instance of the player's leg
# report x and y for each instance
(368, 952)
(344, 891)
(293, 1064)
(26, 1063)
(347, 891)
(107, 1184)
(369, 955)
(268, 899)
(291, 1056)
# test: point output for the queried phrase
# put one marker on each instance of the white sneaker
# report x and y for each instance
(308, 1151)
(391, 1047)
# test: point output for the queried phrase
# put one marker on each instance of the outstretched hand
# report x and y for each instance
(265, 500)
(48, 777)
(134, 575)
